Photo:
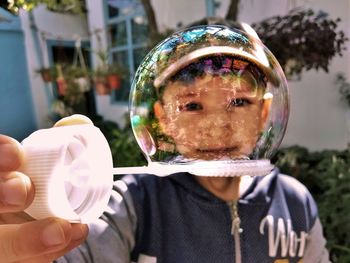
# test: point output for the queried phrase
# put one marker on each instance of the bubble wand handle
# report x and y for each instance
(151, 169)
(203, 168)
(72, 170)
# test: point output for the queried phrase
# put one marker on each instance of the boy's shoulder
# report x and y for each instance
(276, 181)
(286, 192)
(293, 188)
(292, 185)
(281, 188)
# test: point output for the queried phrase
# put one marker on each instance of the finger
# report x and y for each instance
(32, 239)
(11, 154)
(16, 192)
(75, 119)
(15, 218)
(79, 234)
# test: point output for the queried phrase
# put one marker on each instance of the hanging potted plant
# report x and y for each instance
(107, 76)
(100, 74)
(115, 73)
(47, 74)
(77, 76)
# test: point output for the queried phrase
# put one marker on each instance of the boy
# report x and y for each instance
(208, 111)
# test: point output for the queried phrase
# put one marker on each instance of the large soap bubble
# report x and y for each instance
(209, 94)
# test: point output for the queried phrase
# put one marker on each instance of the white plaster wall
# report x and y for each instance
(55, 26)
(170, 14)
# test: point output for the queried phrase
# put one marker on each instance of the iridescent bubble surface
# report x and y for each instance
(209, 93)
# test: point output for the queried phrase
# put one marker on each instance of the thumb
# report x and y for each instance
(32, 239)
(75, 119)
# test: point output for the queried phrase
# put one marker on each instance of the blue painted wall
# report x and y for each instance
(17, 118)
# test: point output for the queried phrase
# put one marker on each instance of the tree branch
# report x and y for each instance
(232, 11)
(152, 22)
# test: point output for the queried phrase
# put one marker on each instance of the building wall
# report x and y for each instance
(17, 117)
(318, 118)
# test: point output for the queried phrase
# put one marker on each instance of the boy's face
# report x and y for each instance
(213, 117)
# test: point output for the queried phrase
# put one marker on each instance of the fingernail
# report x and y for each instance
(78, 232)
(53, 234)
(14, 191)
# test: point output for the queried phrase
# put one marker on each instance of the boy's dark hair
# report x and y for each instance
(220, 65)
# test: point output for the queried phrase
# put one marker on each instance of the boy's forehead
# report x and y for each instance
(208, 84)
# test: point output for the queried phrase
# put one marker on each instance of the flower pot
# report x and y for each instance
(61, 86)
(101, 86)
(114, 81)
(46, 75)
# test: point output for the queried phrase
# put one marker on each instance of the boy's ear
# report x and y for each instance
(160, 115)
(265, 111)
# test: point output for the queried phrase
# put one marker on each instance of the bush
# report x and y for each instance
(302, 40)
(124, 148)
(327, 175)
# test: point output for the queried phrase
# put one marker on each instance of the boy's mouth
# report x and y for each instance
(219, 151)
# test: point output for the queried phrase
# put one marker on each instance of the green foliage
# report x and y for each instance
(125, 150)
(77, 85)
(62, 6)
(105, 68)
(327, 175)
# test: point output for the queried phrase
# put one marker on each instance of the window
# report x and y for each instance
(127, 38)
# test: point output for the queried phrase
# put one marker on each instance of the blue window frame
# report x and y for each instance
(127, 38)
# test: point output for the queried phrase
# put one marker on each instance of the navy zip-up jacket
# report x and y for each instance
(173, 219)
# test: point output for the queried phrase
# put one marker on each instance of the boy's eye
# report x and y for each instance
(192, 106)
(239, 102)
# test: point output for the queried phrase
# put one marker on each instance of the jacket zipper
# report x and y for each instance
(236, 230)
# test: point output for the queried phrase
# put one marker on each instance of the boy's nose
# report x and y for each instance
(214, 127)
(219, 120)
